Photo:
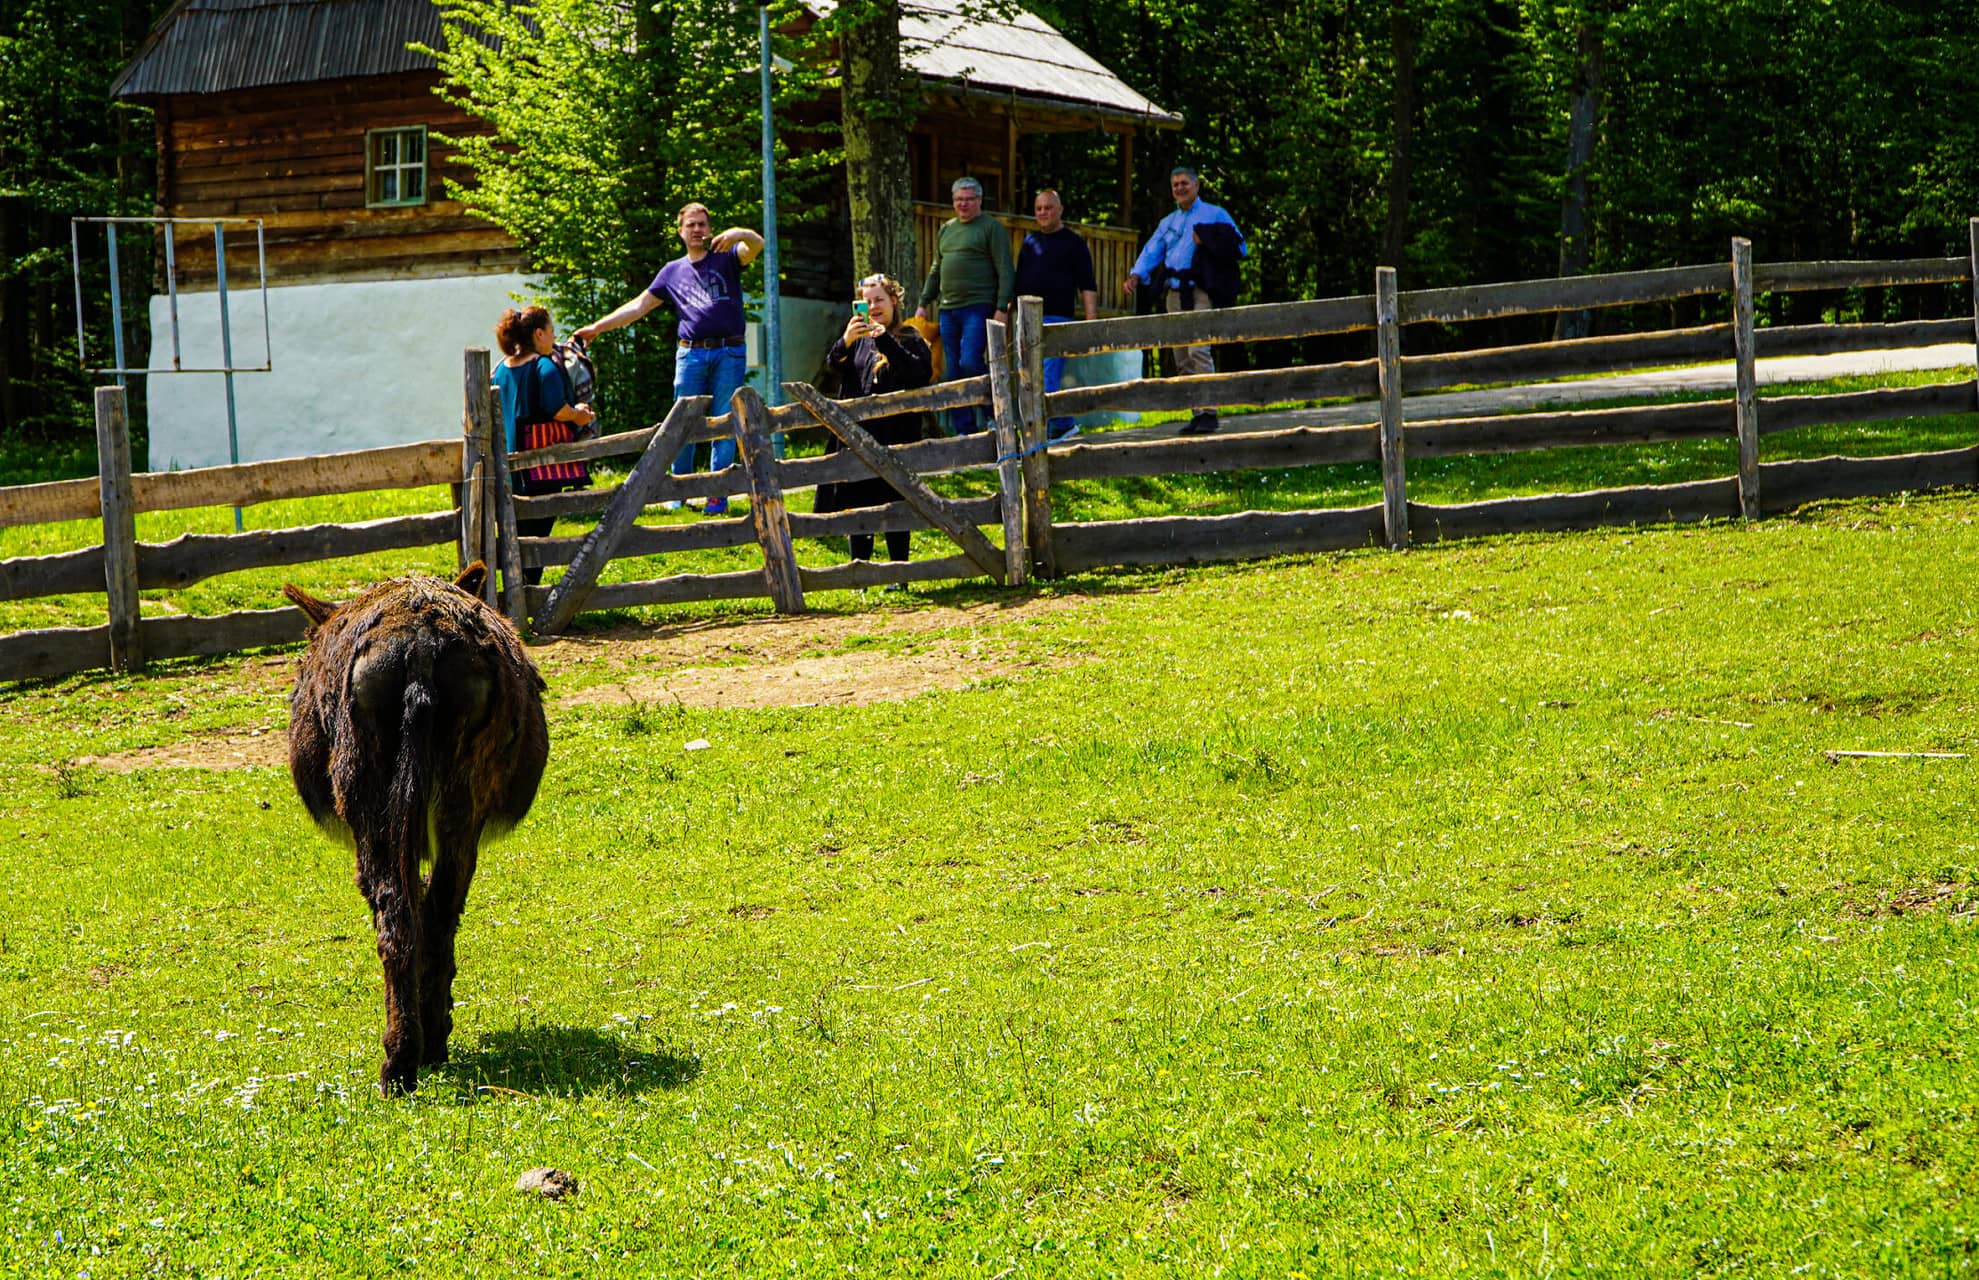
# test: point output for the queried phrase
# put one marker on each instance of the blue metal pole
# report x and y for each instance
(116, 305)
(772, 292)
(226, 349)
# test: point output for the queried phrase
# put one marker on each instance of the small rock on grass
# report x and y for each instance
(551, 1184)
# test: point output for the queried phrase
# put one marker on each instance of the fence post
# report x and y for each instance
(1972, 230)
(1748, 379)
(474, 486)
(750, 420)
(113, 461)
(1031, 410)
(498, 531)
(1388, 348)
(1010, 466)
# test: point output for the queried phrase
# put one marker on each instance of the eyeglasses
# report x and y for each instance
(878, 277)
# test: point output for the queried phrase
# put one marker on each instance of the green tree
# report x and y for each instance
(66, 150)
(603, 120)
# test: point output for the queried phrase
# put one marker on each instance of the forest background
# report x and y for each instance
(1459, 140)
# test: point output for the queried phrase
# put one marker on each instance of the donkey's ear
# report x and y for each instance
(319, 611)
(473, 578)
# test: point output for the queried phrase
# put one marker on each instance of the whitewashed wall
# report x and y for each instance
(358, 365)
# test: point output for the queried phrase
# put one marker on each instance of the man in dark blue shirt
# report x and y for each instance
(1054, 264)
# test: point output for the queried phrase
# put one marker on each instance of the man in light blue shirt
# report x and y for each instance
(1168, 259)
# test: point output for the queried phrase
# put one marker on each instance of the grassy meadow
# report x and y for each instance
(1489, 909)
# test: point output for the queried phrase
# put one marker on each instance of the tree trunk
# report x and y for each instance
(876, 113)
(1583, 107)
(1401, 155)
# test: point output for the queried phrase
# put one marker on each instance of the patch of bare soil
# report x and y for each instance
(798, 662)
(748, 662)
(1953, 897)
(266, 749)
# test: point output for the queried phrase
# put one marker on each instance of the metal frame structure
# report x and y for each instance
(227, 367)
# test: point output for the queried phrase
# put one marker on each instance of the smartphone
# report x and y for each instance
(863, 309)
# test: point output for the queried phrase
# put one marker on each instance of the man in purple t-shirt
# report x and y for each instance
(704, 288)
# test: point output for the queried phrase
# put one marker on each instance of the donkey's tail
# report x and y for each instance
(407, 804)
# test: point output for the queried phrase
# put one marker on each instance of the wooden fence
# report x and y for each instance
(482, 522)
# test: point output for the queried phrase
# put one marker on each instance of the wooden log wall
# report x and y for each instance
(294, 156)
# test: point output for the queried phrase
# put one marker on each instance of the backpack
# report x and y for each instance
(580, 377)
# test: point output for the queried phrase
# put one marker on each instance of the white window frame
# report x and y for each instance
(375, 169)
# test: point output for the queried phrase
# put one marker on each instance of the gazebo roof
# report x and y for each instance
(1019, 55)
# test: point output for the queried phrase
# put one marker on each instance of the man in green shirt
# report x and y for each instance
(974, 283)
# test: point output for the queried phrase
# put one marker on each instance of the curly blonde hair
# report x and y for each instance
(894, 290)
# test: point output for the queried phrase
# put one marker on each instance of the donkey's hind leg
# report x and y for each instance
(446, 898)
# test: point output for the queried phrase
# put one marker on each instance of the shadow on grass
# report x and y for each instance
(565, 1062)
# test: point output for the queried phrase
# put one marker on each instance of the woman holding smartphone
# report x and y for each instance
(877, 352)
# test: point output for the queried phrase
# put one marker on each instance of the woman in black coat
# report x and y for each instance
(877, 352)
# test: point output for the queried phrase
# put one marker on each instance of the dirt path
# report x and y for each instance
(883, 655)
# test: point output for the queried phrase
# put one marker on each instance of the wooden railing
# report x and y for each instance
(1113, 248)
(122, 566)
(1034, 542)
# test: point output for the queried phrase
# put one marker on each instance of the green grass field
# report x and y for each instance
(1487, 909)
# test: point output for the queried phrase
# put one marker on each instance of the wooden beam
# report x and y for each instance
(1747, 395)
(1832, 339)
(1010, 465)
(1880, 404)
(1796, 482)
(53, 651)
(1222, 390)
(1564, 293)
(1787, 277)
(1972, 266)
(1245, 535)
(757, 454)
(1394, 474)
(628, 500)
(1553, 512)
(113, 456)
(195, 557)
(49, 502)
(476, 457)
(1029, 358)
(1097, 458)
(508, 553)
(1523, 432)
(1574, 356)
(910, 486)
(402, 466)
(1261, 322)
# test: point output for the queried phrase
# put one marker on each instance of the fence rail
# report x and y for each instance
(482, 521)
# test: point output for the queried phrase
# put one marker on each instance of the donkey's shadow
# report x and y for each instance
(565, 1062)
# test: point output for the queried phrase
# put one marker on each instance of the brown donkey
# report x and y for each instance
(416, 724)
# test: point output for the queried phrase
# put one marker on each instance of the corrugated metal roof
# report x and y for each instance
(209, 46)
(1020, 54)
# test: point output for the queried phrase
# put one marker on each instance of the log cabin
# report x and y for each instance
(314, 117)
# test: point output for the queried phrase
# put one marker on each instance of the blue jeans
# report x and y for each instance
(964, 342)
(708, 371)
(1054, 377)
